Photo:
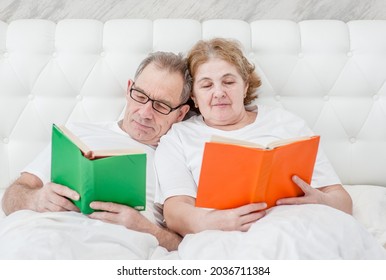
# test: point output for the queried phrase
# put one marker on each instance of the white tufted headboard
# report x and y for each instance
(330, 73)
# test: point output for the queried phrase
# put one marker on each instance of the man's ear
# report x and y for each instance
(182, 112)
(129, 85)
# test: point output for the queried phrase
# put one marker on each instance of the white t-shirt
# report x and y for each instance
(99, 136)
(179, 154)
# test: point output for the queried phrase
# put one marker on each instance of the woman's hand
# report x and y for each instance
(334, 195)
(240, 218)
(183, 217)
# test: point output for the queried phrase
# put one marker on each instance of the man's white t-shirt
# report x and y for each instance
(101, 136)
(179, 154)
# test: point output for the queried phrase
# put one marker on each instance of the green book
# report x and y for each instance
(112, 175)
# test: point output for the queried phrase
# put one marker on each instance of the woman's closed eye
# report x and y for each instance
(206, 85)
(229, 83)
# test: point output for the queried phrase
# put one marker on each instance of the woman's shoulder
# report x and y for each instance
(186, 130)
(276, 111)
(281, 117)
(190, 123)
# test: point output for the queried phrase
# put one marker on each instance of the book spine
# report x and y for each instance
(65, 162)
(87, 187)
(261, 190)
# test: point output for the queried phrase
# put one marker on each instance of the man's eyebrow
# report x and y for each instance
(145, 92)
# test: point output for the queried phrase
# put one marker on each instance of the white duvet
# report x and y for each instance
(69, 235)
(287, 232)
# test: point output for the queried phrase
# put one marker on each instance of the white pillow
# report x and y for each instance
(369, 208)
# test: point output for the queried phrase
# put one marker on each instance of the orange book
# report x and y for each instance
(235, 173)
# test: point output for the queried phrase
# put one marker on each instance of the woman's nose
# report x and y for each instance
(219, 91)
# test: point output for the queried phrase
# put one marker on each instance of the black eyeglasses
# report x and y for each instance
(143, 98)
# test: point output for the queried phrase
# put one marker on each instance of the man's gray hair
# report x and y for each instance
(174, 63)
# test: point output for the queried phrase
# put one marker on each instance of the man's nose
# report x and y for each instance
(147, 110)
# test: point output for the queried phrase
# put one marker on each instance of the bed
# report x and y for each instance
(329, 72)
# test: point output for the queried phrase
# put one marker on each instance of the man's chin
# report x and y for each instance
(145, 138)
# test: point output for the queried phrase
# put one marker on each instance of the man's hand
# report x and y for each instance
(28, 192)
(54, 198)
(121, 215)
(130, 218)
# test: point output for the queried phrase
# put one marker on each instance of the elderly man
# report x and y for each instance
(156, 99)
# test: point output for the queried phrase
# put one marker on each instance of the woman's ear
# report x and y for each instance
(246, 89)
(194, 101)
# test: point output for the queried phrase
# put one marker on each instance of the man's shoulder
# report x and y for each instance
(91, 126)
(87, 129)
(106, 135)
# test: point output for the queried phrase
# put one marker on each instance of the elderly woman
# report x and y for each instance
(224, 82)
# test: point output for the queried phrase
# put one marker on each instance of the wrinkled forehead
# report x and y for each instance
(160, 84)
(216, 68)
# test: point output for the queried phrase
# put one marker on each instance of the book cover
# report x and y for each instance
(238, 173)
(112, 176)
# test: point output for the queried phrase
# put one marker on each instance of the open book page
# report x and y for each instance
(272, 145)
(82, 146)
(283, 142)
(226, 140)
(90, 154)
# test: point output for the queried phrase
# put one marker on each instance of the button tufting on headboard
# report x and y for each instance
(329, 72)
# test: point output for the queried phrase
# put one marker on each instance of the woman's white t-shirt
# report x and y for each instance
(179, 155)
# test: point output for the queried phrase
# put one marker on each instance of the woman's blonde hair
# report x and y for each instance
(230, 51)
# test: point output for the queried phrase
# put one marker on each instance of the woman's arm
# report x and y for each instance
(334, 195)
(183, 217)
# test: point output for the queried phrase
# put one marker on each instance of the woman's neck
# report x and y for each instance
(246, 119)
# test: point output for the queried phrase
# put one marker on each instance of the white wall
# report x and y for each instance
(248, 10)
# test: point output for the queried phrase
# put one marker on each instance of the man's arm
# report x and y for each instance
(28, 192)
(130, 218)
